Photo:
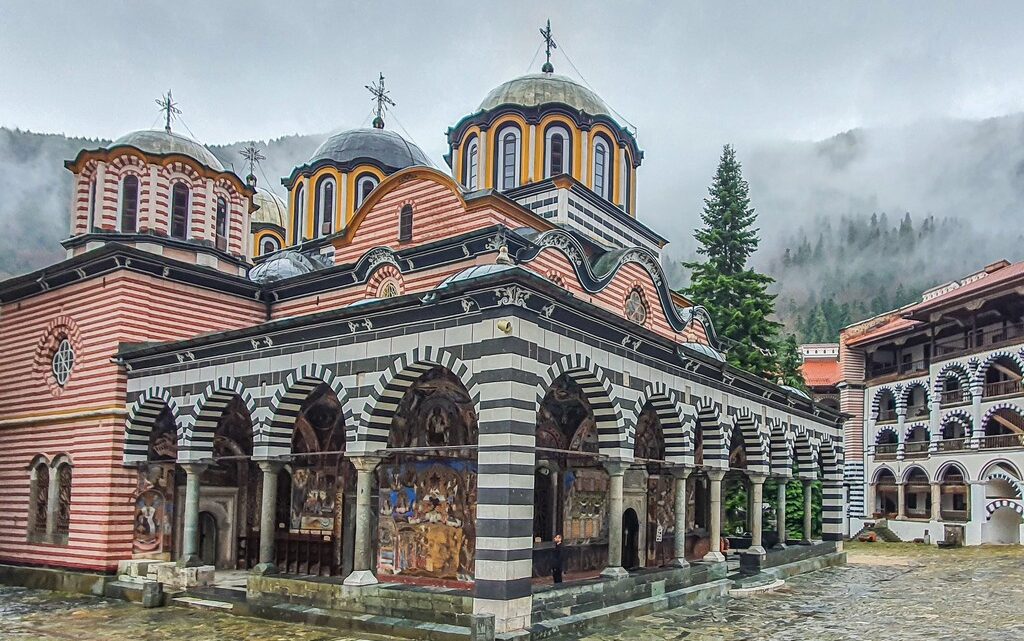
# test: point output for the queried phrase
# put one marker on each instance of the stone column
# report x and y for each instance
(616, 470)
(780, 515)
(715, 530)
(362, 574)
(808, 505)
(756, 513)
(977, 429)
(190, 542)
(901, 501)
(680, 475)
(556, 527)
(936, 501)
(869, 501)
(52, 504)
(268, 513)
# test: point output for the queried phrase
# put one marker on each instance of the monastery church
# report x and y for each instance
(395, 377)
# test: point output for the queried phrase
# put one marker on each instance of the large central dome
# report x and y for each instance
(537, 89)
(386, 147)
(160, 143)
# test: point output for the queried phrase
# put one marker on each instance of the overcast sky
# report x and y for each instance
(689, 76)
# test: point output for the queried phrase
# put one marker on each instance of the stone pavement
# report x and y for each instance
(899, 592)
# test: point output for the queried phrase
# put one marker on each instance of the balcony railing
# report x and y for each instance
(1001, 440)
(885, 415)
(1003, 388)
(952, 397)
(954, 515)
(875, 371)
(916, 449)
(953, 445)
(885, 451)
(982, 338)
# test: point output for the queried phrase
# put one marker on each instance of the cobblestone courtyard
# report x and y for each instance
(907, 591)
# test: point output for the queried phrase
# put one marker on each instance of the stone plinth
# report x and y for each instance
(178, 577)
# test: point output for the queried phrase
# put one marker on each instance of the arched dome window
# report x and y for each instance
(325, 189)
(129, 214)
(557, 151)
(405, 223)
(299, 214)
(179, 211)
(508, 157)
(269, 245)
(91, 221)
(222, 223)
(471, 164)
(365, 184)
(602, 168)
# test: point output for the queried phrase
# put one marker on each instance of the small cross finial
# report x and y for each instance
(382, 98)
(549, 45)
(253, 156)
(170, 109)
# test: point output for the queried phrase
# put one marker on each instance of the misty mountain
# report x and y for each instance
(851, 225)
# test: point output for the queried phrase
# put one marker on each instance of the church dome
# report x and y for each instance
(160, 142)
(272, 209)
(535, 89)
(355, 146)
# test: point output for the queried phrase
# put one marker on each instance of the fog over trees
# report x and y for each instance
(851, 226)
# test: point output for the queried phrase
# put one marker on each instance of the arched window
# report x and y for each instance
(508, 158)
(365, 184)
(557, 151)
(179, 211)
(388, 290)
(405, 223)
(471, 163)
(91, 222)
(269, 245)
(222, 223)
(325, 189)
(602, 169)
(130, 204)
(63, 361)
(38, 499)
(299, 214)
(62, 526)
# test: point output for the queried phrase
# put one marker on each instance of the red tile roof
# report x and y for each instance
(821, 372)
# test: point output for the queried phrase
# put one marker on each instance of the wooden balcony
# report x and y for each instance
(953, 445)
(915, 449)
(1002, 388)
(953, 397)
(1001, 441)
(886, 452)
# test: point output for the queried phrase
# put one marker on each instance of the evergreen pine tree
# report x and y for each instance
(790, 362)
(736, 296)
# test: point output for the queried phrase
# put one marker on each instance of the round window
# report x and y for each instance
(636, 311)
(63, 361)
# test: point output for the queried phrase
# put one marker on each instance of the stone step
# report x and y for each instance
(203, 604)
(368, 623)
(580, 621)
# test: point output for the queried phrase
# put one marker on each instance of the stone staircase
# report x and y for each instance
(880, 529)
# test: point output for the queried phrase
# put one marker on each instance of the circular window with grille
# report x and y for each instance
(63, 362)
(636, 309)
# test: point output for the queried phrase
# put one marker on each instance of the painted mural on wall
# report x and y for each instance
(314, 496)
(660, 519)
(427, 511)
(154, 510)
(586, 492)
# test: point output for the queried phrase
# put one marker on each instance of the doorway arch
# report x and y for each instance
(630, 539)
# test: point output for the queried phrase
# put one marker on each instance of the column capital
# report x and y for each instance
(194, 468)
(681, 471)
(757, 477)
(364, 462)
(270, 467)
(616, 467)
(716, 474)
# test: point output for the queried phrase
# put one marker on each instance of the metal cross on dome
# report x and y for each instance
(383, 99)
(253, 156)
(549, 44)
(170, 109)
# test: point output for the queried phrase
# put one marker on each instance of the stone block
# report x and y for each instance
(481, 627)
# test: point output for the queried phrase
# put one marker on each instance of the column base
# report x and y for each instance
(614, 573)
(806, 542)
(264, 568)
(361, 577)
(679, 563)
(714, 556)
(190, 561)
(755, 549)
(779, 546)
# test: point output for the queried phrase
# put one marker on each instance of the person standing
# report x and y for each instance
(558, 560)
